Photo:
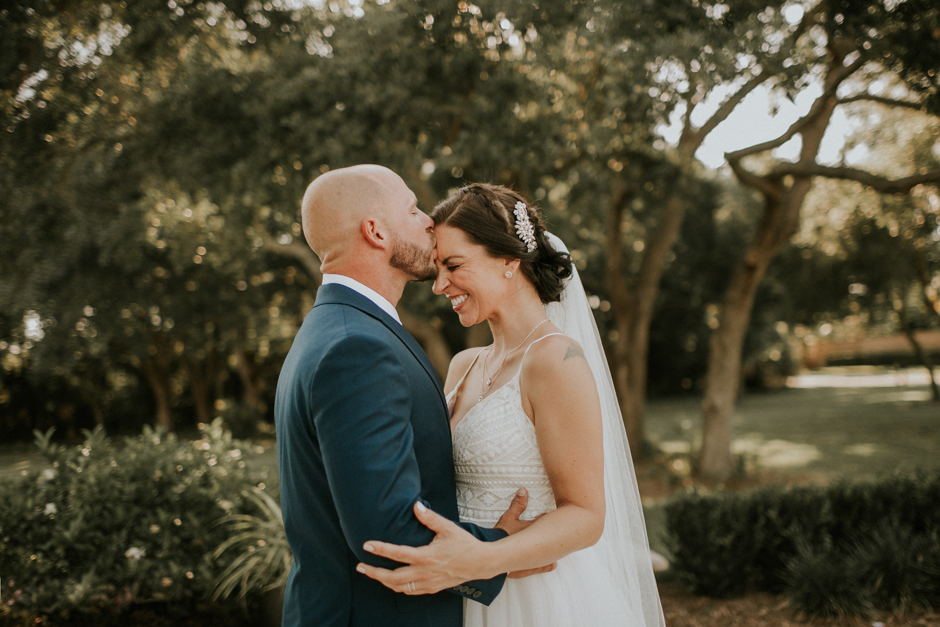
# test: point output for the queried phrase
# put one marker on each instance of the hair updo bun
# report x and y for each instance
(485, 213)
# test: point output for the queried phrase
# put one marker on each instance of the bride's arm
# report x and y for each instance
(560, 395)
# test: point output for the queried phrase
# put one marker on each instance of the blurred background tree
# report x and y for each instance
(155, 155)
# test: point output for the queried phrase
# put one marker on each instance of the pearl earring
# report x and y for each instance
(508, 274)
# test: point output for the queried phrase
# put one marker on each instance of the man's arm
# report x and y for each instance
(362, 418)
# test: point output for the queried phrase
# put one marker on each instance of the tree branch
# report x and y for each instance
(728, 106)
(730, 103)
(885, 101)
(878, 183)
(818, 107)
(746, 177)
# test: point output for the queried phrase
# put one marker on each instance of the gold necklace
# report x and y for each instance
(487, 381)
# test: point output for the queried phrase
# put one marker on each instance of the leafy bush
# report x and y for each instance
(263, 557)
(722, 565)
(239, 418)
(836, 550)
(889, 567)
(107, 526)
(825, 582)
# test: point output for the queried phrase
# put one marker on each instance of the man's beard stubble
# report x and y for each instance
(413, 261)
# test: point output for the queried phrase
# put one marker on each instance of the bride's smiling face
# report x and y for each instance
(474, 281)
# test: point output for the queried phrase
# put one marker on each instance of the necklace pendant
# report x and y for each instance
(480, 399)
(488, 382)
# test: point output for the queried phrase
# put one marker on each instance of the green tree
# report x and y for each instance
(851, 45)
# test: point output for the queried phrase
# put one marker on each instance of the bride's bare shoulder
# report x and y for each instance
(553, 350)
(553, 360)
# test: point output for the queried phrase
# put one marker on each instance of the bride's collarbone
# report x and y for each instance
(473, 391)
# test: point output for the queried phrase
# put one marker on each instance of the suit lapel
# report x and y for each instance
(340, 294)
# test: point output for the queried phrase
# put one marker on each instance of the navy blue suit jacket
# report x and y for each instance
(362, 433)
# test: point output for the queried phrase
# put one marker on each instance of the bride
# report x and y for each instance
(535, 409)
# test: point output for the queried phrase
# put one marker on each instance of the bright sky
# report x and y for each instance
(752, 123)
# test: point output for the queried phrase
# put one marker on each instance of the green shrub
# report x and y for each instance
(722, 564)
(837, 550)
(262, 557)
(824, 582)
(108, 527)
(239, 418)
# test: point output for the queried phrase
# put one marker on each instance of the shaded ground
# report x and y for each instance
(764, 610)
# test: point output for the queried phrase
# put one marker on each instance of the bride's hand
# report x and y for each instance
(510, 523)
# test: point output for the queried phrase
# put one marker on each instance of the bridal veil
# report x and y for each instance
(624, 544)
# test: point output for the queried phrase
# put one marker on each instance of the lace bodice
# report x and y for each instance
(495, 454)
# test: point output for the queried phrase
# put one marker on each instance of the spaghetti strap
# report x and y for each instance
(521, 361)
(459, 383)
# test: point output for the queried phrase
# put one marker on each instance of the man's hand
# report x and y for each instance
(451, 559)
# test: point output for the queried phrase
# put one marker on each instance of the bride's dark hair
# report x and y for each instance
(485, 213)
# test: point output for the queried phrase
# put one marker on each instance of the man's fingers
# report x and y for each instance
(398, 553)
(432, 520)
(400, 580)
(519, 574)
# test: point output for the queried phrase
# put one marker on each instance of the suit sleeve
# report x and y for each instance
(361, 413)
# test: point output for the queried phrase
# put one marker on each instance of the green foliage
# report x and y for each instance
(239, 418)
(820, 544)
(887, 567)
(110, 526)
(262, 555)
(712, 550)
(825, 583)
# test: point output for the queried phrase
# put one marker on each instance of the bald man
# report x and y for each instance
(362, 424)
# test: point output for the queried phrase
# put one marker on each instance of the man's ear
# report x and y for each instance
(374, 232)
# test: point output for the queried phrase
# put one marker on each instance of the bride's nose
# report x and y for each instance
(440, 283)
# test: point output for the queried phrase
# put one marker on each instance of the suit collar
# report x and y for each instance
(334, 293)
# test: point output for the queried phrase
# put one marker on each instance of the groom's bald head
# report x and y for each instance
(337, 202)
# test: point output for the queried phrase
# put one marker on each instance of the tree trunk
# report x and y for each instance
(202, 379)
(633, 305)
(779, 221)
(96, 411)
(645, 291)
(159, 381)
(783, 198)
(919, 351)
(931, 302)
(250, 378)
(623, 309)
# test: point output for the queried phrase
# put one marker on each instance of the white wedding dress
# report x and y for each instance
(496, 453)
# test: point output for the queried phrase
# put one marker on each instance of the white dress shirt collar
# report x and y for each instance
(369, 293)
